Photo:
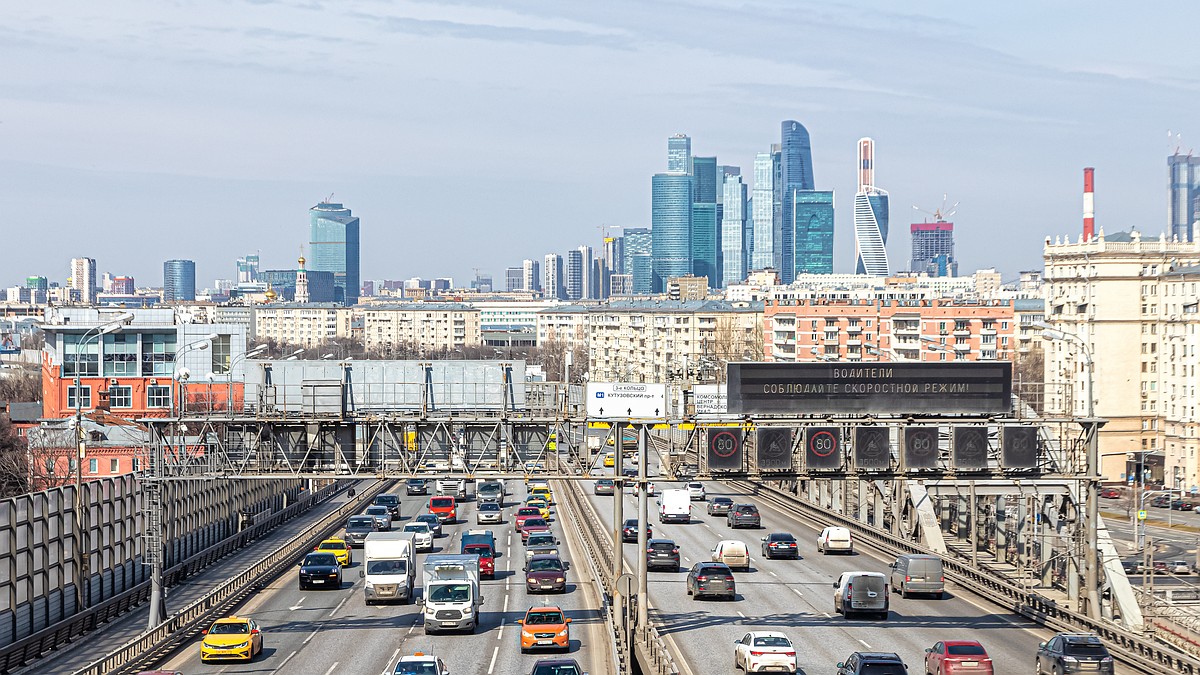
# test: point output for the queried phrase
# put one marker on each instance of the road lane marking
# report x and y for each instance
(310, 637)
(491, 666)
(391, 660)
(797, 592)
(331, 668)
(860, 642)
(339, 605)
(741, 615)
(827, 615)
(772, 573)
(284, 661)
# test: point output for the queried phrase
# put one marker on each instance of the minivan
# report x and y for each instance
(733, 553)
(918, 574)
(834, 539)
(861, 592)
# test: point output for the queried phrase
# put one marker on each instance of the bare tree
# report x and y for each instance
(14, 461)
(22, 385)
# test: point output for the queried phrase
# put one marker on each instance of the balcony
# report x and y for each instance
(853, 342)
(854, 329)
(962, 332)
(962, 348)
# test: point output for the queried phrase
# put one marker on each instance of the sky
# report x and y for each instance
(471, 135)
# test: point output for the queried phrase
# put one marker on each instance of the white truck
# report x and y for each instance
(451, 487)
(675, 506)
(389, 568)
(452, 600)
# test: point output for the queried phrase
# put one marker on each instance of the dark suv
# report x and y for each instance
(392, 502)
(1073, 652)
(873, 663)
(416, 486)
(743, 515)
(662, 553)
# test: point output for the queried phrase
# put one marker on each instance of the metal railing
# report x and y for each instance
(154, 645)
(27, 649)
(1135, 650)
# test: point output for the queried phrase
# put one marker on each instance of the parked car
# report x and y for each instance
(765, 650)
(662, 553)
(416, 486)
(547, 573)
(696, 491)
(545, 628)
(711, 578)
(719, 506)
(861, 593)
(953, 657)
(1073, 652)
(629, 530)
(872, 663)
(780, 545)
(915, 573)
(743, 515)
(605, 486)
(835, 540)
(435, 523)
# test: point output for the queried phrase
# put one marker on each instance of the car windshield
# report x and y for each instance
(417, 527)
(543, 618)
(320, 559)
(556, 669)
(442, 503)
(541, 539)
(450, 593)
(333, 546)
(965, 650)
(489, 506)
(427, 517)
(386, 567)
(360, 521)
(545, 565)
(535, 522)
(527, 511)
(772, 641)
(377, 510)
(478, 549)
(882, 669)
(237, 628)
(387, 500)
(416, 668)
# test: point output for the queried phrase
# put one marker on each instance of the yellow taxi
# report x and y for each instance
(539, 504)
(233, 638)
(542, 491)
(610, 459)
(338, 547)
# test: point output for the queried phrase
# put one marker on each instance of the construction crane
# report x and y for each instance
(940, 215)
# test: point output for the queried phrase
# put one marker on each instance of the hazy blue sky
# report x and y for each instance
(465, 135)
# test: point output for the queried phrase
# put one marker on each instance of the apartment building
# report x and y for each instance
(430, 326)
(567, 324)
(305, 325)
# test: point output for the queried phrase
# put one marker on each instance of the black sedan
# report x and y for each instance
(629, 530)
(780, 545)
(320, 570)
(710, 578)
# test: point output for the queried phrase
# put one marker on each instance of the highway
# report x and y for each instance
(326, 632)
(796, 597)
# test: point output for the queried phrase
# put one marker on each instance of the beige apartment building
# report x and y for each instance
(667, 340)
(1132, 301)
(567, 324)
(431, 326)
(305, 325)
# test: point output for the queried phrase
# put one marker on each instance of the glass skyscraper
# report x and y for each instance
(679, 154)
(638, 243)
(1183, 195)
(734, 244)
(552, 281)
(705, 243)
(870, 232)
(795, 173)
(671, 200)
(179, 281)
(334, 248)
(763, 254)
(814, 232)
(704, 169)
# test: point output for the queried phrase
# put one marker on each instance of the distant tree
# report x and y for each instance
(22, 385)
(14, 461)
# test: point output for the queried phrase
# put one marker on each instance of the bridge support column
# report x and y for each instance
(864, 497)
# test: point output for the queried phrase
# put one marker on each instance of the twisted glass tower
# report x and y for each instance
(870, 216)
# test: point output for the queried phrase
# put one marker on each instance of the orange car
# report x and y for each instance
(545, 628)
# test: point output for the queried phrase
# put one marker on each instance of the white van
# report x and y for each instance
(733, 553)
(674, 506)
(835, 540)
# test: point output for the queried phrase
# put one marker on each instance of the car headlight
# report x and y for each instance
(563, 632)
(242, 645)
(526, 634)
(370, 586)
(559, 580)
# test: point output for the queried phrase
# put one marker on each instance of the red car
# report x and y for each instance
(444, 508)
(525, 513)
(531, 525)
(957, 656)
(1110, 493)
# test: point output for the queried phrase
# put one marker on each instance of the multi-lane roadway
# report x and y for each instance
(334, 632)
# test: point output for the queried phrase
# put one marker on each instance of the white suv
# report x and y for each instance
(696, 491)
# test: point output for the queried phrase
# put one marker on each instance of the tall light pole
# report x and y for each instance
(1091, 427)
(81, 561)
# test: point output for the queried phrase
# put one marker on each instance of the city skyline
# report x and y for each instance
(129, 132)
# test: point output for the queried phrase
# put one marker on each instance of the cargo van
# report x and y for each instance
(918, 574)
(861, 593)
(733, 553)
(835, 540)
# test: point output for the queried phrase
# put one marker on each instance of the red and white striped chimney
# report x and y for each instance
(1089, 204)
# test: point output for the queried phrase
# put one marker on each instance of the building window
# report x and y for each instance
(79, 398)
(120, 397)
(80, 358)
(114, 465)
(120, 355)
(158, 396)
(158, 354)
(220, 354)
(137, 464)
(93, 466)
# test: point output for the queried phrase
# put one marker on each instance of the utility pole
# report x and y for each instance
(643, 527)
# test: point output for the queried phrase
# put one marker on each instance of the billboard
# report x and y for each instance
(725, 448)
(969, 448)
(709, 399)
(975, 387)
(1019, 446)
(920, 447)
(773, 447)
(872, 448)
(823, 447)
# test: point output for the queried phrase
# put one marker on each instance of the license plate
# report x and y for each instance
(970, 664)
(1089, 666)
(545, 642)
(318, 581)
(547, 585)
(916, 578)
(449, 624)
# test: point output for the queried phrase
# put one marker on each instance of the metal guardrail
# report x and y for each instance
(152, 646)
(23, 651)
(1130, 648)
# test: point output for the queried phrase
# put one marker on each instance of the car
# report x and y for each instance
(338, 547)
(710, 578)
(952, 657)
(541, 505)
(1181, 505)
(1161, 502)
(544, 549)
(320, 570)
(416, 486)
(233, 638)
(629, 530)
(914, 573)
(1181, 567)
(696, 491)
(629, 472)
(542, 490)
(392, 502)
(1160, 567)
(686, 471)
(1131, 566)
(525, 513)
(733, 553)
(489, 512)
(557, 667)
(542, 539)
(835, 539)
(651, 490)
(719, 506)
(872, 663)
(605, 486)
(531, 525)
(743, 515)
(1110, 493)
(383, 517)
(435, 523)
(546, 573)
(422, 536)
(610, 459)
(662, 553)
(420, 664)
(1073, 652)
(768, 650)
(545, 628)
(1196, 510)
(780, 545)
(444, 507)
(357, 529)
(861, 592)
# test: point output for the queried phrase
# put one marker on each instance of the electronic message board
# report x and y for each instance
(970, 448)
(724, 448)
(872, 448)
(774, 448)
(823, 447)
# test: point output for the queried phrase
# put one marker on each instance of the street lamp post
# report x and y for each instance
(1091, 428)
